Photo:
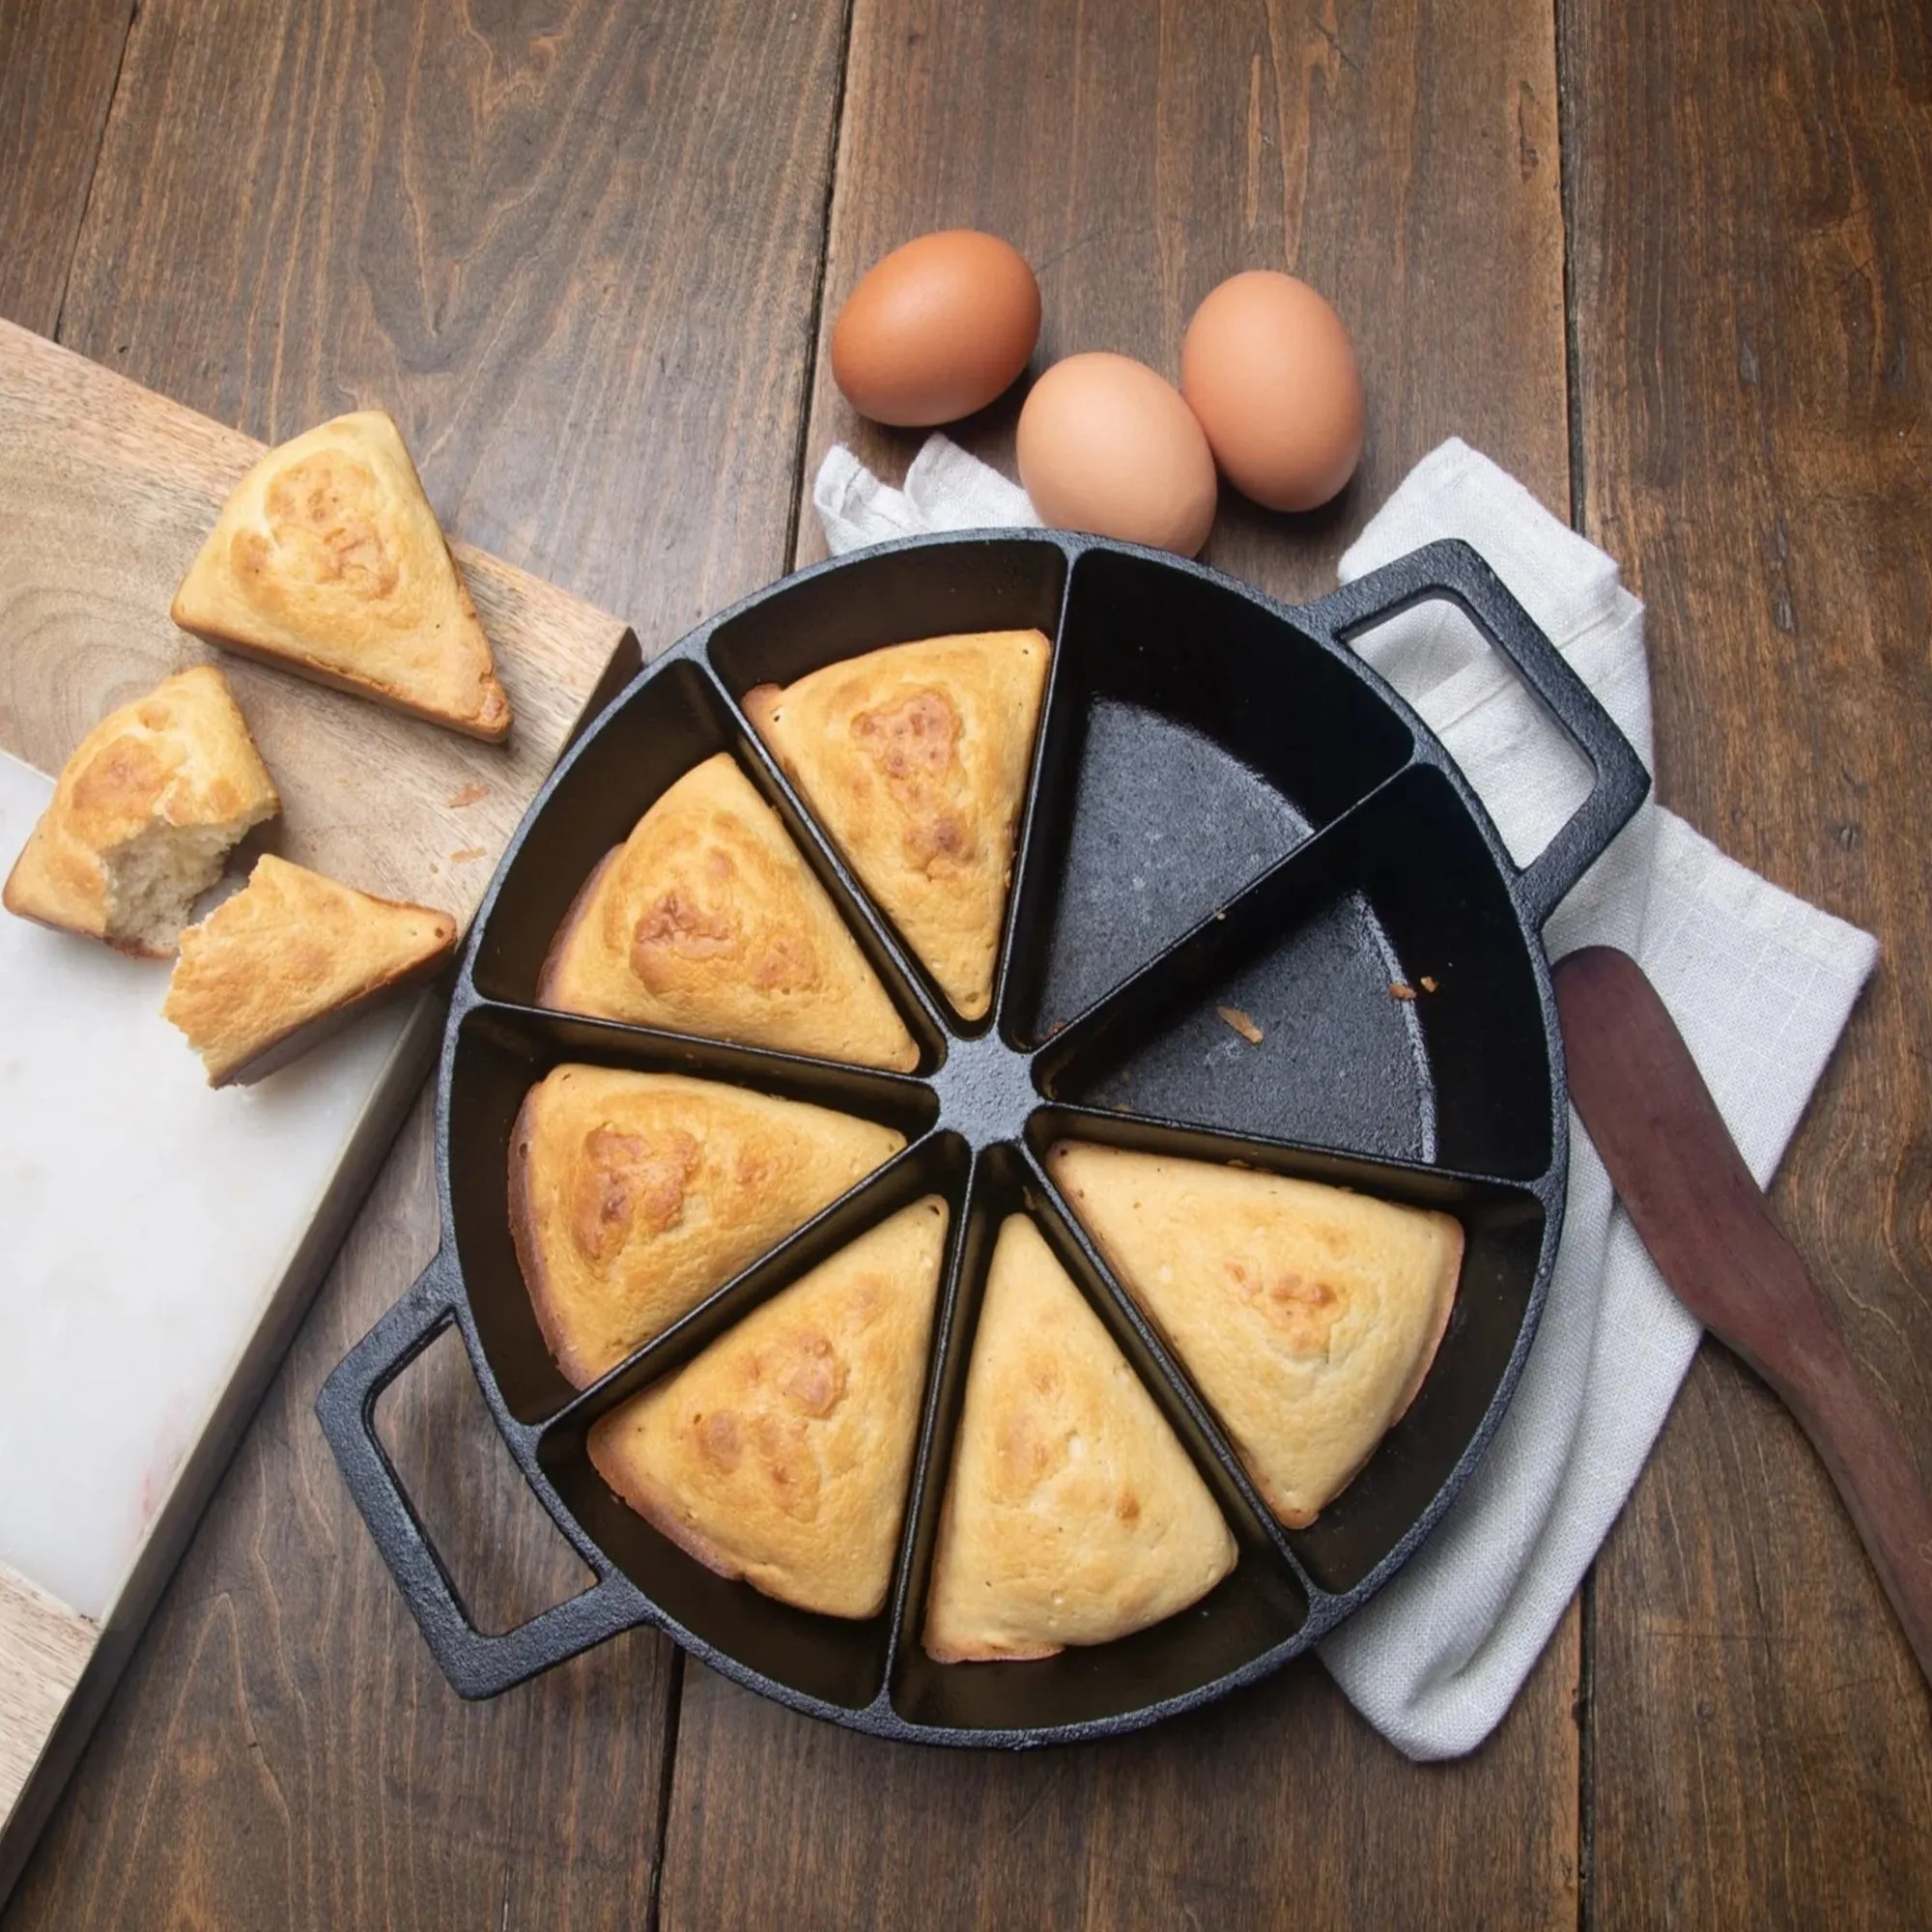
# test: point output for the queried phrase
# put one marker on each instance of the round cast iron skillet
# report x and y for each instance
(1227, 809)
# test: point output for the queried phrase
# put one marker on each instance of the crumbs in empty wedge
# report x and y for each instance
(328, 561)
(142, 817)
(1234, 1017)
(289, 960)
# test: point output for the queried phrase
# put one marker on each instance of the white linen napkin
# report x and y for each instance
(1760, 984)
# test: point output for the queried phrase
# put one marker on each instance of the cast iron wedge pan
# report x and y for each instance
(1226, 809)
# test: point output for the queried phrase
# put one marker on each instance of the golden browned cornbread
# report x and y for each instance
(1074, 1513)
(288, 960)
(634, 1195)
(328, 561)
(915, 758)
(781, 1454)
(708, 921)
(142, 815)
(1308, 1315)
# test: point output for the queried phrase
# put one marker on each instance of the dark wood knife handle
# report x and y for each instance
(1715, 1241)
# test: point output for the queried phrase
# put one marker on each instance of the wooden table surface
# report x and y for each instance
(1667, 263)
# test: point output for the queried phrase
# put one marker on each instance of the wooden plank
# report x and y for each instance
(47, 1647)
(106, 491)
(1278, 1806)
(1405, 161)
(571, 248)
(1749, 201)
(1402, 158)
(583, 288)
(58, 60)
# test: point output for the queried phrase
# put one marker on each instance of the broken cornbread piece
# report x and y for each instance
(142, 817)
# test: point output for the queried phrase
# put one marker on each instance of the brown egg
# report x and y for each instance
(1106, 445)
(1267, 366)
(936, 330)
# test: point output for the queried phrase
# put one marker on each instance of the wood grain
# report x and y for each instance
(1402, 158)
(1748, 196)
(1277, 1808)
(573, 249)
(47, 1646)
(58, 61)
(106, 492)
(1138, 157)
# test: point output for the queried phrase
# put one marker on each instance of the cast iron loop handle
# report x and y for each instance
(476, 1664)
(1452, 569)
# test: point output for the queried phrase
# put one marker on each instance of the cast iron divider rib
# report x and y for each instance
(1035, 809)
(907, 1176)
(824, 1083)
(932, 1447)
(1263, 912)
(1172, 1390)
(1342, 1167)
(911, 988)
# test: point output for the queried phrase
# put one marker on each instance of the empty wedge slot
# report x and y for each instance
(1372, 993)
(1195, 740)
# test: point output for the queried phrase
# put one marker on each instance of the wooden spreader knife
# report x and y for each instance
(1710, 1231)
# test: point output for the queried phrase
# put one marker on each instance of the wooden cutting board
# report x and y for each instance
(106, 492)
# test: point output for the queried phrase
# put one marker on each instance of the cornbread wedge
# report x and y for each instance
(634, 1195)
(328, 561)
(1073, 1515)
(708, 921)
(782, 1454)
(290, 959)
(915, 758)
(1308, 1315)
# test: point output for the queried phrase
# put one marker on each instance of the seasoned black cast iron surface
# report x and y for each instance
(1227, 809)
